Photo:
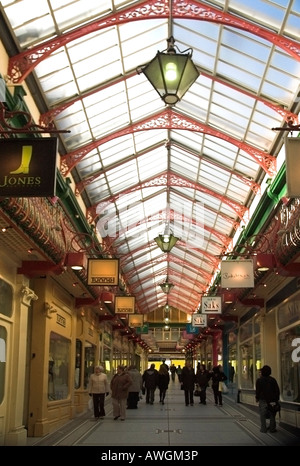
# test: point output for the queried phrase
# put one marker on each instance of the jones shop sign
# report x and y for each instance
(28, 167)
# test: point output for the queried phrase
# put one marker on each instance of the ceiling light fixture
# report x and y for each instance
(172, 71)
(166, 286)
(166, 242)
(4, 229)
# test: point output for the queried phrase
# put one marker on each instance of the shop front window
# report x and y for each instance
(257, 367)
(6, 298)
(58, 367)
(78, 360)
(89, 362)
(289, 343)
(3, 337)
(247, 369)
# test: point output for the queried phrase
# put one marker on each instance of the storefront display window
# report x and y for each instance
(289, 341)
(78, 359)
(258, 365)
(3, 337)
(246, 331)
(247, 372)
(232, 357)
(58, 368)
(89, 362)
(6, 298)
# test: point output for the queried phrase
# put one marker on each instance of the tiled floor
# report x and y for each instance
(172, 425)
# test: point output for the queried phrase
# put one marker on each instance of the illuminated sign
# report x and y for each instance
(124, 304)
(103, 272)
(136, 320)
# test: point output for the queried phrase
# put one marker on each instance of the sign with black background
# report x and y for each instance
(28, 167)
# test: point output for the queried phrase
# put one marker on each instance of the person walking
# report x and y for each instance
(188, 379)
(217, 376)
(163, 383)
(202, 379)
(98, 388)
(150, 381)
(173, 372)
(134, 388)
(179, 371)
(119, 385)
(266, 391)
(231, 371)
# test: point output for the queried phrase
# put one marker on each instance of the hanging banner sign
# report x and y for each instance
(144, 329)
(199, 320)
(28, 167)
(237, 274)
(190, 328)
(211, 305)
(136, 320)
(124, 305)
(292, 151)
(103, 272)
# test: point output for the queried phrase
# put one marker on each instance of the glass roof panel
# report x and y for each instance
(148, 166)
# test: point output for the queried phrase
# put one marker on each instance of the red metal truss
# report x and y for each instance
(80, 186)
(175, 260)
(46, 119)
(92, 214)
(212, 260)
(161, 216)
(24, 63)
(169, 119)
(169, 179)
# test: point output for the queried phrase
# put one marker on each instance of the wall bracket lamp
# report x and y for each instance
(76, 260)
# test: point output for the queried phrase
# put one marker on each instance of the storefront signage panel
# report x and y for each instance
(237, 274)
(124, 304)
(28, 167)
(211, 305)
(103, 272)
(199, 320)
(292, 153)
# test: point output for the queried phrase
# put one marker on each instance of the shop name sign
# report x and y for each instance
(211, 305)
(124, 304)
(199, 320)
(237, 274)
(103, 272)
(28, 167)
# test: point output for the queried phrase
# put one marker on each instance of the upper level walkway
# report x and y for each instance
(170, 427)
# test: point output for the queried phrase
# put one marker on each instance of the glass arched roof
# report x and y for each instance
(140, 166)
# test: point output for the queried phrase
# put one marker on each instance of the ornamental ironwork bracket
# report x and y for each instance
(24, 119)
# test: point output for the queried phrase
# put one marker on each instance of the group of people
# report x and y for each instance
(126, 386)
(201, 378)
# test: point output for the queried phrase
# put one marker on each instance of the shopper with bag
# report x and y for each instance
(217, 376)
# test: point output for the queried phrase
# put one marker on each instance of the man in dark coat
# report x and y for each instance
(188, 379)
(202, 379)
(150, 382)
(267, 391)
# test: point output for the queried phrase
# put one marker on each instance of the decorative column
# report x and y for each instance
(17, 435)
